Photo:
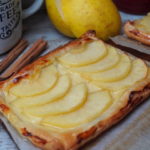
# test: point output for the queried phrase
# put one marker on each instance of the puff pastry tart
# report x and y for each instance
(74, 93)
(139, 29)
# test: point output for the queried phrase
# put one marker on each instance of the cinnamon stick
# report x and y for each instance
(25, 58)
(13, 54)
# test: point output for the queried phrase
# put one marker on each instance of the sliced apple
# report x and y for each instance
(118, 72)
(31, 87)
(106, 63)
(138, 72)
(58, 91)
(116, 95)
(92, 52)
(73, 100)
(10, 97)
(96, 104)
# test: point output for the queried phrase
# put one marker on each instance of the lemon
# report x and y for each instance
(75, 17)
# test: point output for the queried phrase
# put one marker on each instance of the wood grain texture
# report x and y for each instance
(6, 142)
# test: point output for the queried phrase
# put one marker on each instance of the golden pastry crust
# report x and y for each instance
(71, 139)
(132, 32)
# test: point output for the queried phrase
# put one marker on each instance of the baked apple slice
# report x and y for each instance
(95, 105)
(93, 52)
(61, 88)
(34, 86)
(75, 98)
(120, 71)
(108, 62)
(138, 72)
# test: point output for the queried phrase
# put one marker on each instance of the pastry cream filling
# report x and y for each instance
(63, 95)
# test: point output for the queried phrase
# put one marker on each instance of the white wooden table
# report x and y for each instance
(39, 26)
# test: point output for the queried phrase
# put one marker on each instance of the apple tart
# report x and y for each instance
(139, 29)
(73, 94)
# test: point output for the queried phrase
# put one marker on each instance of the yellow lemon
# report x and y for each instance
(75, 17)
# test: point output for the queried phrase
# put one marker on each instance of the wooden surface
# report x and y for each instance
(40, 27)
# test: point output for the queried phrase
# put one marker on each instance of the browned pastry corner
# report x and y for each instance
(59, 138)
(132, 32)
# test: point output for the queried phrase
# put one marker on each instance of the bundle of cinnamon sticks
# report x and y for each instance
(20, 56)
